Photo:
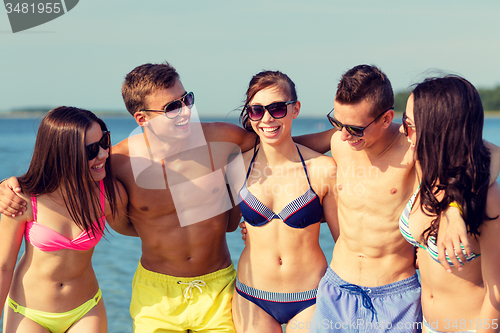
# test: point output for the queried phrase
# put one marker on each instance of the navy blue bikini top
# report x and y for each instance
(300, 213)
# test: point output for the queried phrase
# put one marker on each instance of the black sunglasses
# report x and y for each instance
(406, 125)
(93, 148)
(353, 130)
(276, 110)
(173, 109)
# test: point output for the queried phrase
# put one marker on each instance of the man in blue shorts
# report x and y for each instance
(371, 284)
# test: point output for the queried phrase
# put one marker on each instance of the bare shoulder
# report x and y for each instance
(490, 229)
(495, 160)
(120, 149)
(314, 158)
(493, 200)
(120, 160)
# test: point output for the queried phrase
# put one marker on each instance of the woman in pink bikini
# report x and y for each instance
(70, 192)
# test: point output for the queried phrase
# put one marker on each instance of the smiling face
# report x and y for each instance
(359, 115)
(96, 165)
(271, 130)
(164, 128)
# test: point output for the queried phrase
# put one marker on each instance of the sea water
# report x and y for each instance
(116, 257)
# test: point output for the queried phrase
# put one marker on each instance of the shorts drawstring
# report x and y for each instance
(367, 302)
(188, 292)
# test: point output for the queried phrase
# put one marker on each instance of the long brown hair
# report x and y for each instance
(60, 163)
(450, 149)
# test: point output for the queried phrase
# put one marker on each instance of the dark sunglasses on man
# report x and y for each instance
(173, 109)
(356, 131)
(277, 110)
(93, 148)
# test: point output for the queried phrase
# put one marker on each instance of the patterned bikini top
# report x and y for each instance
(299, 213)
(431, 248)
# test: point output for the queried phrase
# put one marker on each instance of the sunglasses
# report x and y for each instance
(406, 125)
(173, 109)
(353, 130)
(276, 110)
(93, 148)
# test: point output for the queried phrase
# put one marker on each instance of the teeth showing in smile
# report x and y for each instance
(182, 123)
(98, 166)
(270, 129)
(355, 141)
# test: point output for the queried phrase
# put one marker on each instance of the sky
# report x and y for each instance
(82, 57)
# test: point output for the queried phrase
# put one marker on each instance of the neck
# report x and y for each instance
(162, 148)
(385, 143)
(279, 154)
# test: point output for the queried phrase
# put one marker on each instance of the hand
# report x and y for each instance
(10, 203)
(243, 232)
(451, 235)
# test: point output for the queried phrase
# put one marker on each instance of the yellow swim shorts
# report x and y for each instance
(164, 303)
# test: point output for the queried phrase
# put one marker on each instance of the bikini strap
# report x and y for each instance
(251, 164)
(304, 165)
(33, 207)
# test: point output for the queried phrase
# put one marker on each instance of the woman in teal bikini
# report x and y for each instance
(444, 123)
(70, 192)
(281, 191)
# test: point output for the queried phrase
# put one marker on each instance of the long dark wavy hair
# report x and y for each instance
(60, 163)
(263, 80)
(449, 127)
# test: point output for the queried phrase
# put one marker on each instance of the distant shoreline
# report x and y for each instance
(125, 114)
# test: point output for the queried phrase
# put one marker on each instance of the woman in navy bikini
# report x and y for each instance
(444, 123)
(282, 192)
(70, 191)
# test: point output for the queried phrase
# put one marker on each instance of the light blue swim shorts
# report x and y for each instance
(345, 307)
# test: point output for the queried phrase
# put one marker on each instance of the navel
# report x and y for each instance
(144, 208)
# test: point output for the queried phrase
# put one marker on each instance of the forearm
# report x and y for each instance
(319, 142)
(5, 281)
(120, 222)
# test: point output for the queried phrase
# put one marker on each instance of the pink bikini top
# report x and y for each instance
(46, 239)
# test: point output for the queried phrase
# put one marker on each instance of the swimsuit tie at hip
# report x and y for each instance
(367, 302)
(188, 293)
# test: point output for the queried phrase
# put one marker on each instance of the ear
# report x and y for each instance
(387, 118)
(296, 109)
(141, 118)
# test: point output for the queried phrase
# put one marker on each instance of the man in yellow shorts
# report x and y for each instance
(172, 169)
